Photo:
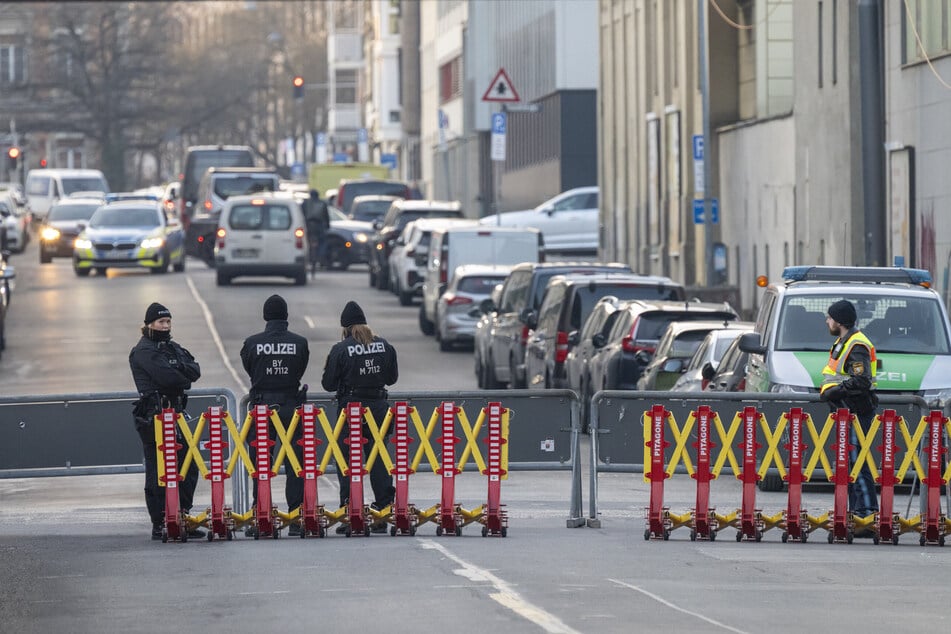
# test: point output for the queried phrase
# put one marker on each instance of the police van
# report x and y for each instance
(897, 310)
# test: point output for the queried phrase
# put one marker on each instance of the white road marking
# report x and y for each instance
(251, 594)
(504, 594)
(677, 607)
(310, 322)
(210, 320)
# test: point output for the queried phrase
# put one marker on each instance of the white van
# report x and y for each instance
(453, 246)
(46, 186)
(261, 234)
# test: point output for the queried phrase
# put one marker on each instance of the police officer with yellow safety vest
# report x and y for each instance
(848, 380)
(275, 361)
(358, 369)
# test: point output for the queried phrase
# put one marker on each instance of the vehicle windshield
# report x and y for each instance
(83, 184)
(478, 284)
(72, 212)
(369, 210)
(241, 185)
(124, 217)
(892, 323)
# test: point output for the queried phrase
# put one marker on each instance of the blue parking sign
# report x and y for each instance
(698, 211)
(498, 123)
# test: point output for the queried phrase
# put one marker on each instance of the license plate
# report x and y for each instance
(245, 253)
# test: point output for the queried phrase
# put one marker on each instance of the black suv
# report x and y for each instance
(503, 359)
(400, 214)
(567, 303)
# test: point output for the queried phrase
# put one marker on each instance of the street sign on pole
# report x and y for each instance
(499, 125)
(501, 89)
(698, 181)
(699, 213)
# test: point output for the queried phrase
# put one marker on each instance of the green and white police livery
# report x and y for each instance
(897, 310)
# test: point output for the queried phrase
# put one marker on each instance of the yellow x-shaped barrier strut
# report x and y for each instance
(818, 454)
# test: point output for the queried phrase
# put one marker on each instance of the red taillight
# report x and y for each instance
(201, 239)
(208, 205)
(221, 233)
(629, 344)
(299, 238)
(526, 331)
(704, 383)
(741, 386)
(561, 346)
(457, 300)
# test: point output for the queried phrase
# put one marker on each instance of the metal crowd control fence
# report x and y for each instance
(665, 428)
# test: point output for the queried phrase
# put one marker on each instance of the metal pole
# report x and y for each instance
(707, 158)
(873, 130)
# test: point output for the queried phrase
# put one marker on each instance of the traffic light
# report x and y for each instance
(42, 162)
(298, 87)
(13, 156)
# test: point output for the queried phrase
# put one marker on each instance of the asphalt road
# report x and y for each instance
(75, 555)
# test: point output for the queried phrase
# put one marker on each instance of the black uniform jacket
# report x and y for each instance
(162, 367)
(354, 366)
(275, 359)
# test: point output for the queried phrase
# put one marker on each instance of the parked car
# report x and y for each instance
(600, 321)
(198, 158)
(458, 311)
(16, 190)
(708, 355)
(63, 224)
(730, 373)
(7, 275)
(407, 261)
(370, 208)
(350, 188)
(675, 349)
(454, 245)
(503, 359)
(568, 222)
(135, 234)
(568, 302)
(46, 186)
(217, 185)
(483, 332)
(629, 346)
(261, 234)
(15, 222)
(401, 213)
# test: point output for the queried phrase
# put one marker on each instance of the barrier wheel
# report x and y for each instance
(804, 537)
(895, 539)
(275, 533)
(366, 530)
(739, 536)
(303, 532)
(941, 541)
(693, 534)
(183, 534)
(485, 531)
(257, 535)
(647, 534)
(666, 534)
(349, 532)
(504, 531)
(875, 539)
(922, 540)
(412, 530)
(848, 537)
(458, 531)
(211, 536)
(392, 531)
(439, 532)
(785, 536)
(831, 537)
(229, 535)
(164, 537)
(713, 536)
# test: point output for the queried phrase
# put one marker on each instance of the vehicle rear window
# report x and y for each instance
(199, 161)
(83, 184)
(588, 295)
(124, 217)
(651, 325)
(687, 343)
(260, 218)
(408, 216)
(370, 188)
(241, 185)
(370, 209)
(72, 212)
(478, 284)
(38, 186)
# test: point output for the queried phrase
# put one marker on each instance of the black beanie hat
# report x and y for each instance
(843, 312)
(156, 311)
(275, 308)
(352, 315)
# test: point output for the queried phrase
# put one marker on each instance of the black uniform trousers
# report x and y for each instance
(863, 499)
(155, 494)
(286, 404)
(380, 479)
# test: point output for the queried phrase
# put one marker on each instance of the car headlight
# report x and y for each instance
(780, 388)
(83, 243)
(360, 237)
(152, 243)
(49, 233)
(937, 399)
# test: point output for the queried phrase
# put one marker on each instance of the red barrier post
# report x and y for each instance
(216, 474)
(169, 447)
(262, 475)
(886, 523)
(841, 523)
(656, 517)
(702, 512)
(933, 530)
(796, 448)
(495, 522)
(403, 523)
(749, 514)
(447, 507)
(355, 511)
(310, 516)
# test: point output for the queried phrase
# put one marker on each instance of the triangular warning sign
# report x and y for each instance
(501, 89)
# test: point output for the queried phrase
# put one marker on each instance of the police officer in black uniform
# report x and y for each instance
(275, 360)
(162, 371)
(358, 369)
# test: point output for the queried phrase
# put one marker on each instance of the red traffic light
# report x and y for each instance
(43, 162)
(14, 153)
(298, 81)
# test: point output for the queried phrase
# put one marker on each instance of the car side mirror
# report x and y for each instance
(81, 225)
(487, 306)
(528, 317)
(599, 340)
(751, 342)
(377, 224)
(643, 357)
(548, 210)
(574, 337)
(8, 272)
(707, 371)
(673, 365)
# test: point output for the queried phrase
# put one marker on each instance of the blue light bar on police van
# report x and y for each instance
(864, 274)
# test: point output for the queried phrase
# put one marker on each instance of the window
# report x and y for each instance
(12, 64)
(346, 86)
(931, 21)
(450, 80)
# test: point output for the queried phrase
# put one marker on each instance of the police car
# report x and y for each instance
(897, 310)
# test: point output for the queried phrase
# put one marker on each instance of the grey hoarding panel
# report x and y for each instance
(65, 434)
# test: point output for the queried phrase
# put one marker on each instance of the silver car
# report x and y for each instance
(458, 309)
